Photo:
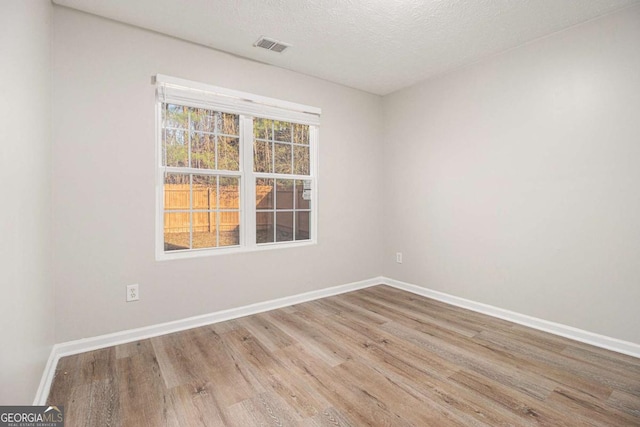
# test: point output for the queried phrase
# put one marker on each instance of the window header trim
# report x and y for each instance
(176, 90)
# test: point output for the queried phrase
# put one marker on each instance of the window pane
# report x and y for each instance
(176, 231)
(203, 161)
(300, 160)
(228, 124)
(176, 192)
(284, 226)
(303, 194)
(284, 194)
(282, 131)
(176, 148)
(203, 151)
(301, 134)
(302, 225)
(229, 228)
(202, 120)
(204, 192)
(262, 157)
(228, 153)
(204, 230)
(262, 129)
(283, 158)
(175, 116)
(264, 193)
(229, 192)
(264, 227)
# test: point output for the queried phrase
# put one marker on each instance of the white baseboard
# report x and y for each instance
(613, 344)
(47, 379)
(122, 337)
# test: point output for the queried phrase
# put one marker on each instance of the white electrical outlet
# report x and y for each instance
(399, 257)
(133, 293)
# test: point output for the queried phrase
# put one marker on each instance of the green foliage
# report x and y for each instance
(207, 139)
(198, 134)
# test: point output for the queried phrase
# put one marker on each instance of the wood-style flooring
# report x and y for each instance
(373, 357)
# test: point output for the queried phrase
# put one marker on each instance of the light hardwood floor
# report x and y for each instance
(378, 357)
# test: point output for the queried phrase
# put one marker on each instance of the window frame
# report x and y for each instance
(247, 106)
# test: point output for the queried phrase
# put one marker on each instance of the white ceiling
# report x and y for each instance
(378, 46)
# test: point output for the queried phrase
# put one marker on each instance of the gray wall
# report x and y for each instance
(104, 183)
(26, 306)
(514, 182)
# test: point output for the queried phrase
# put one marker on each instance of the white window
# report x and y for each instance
(235, 171)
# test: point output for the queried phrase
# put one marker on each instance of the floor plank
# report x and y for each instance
(378, 356)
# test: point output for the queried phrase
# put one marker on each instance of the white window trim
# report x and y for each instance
(196, 94)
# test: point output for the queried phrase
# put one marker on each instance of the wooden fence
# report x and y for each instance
(176, 197)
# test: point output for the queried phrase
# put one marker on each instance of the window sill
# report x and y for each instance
(199, 253)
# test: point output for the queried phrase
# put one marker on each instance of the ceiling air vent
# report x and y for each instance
(270, 44)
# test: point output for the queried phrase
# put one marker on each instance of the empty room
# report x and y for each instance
(320, 213)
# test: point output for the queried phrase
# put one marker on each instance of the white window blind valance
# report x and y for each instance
(196, 94)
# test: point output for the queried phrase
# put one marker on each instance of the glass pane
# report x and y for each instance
(300, 160)
(229, 228)
(229, 192)
(264, 227)
(228, 124)
(204, 230)
(264, 193)
(176, 231)
(176, 116)
(176, 148)
(284, 226)
(204, 192)
(301, 134)
(228, 153)
(176, 191)
(282, 131)
(262, 129)
(303, 194)
(284, 194)
(202, 120)
(283, 158)
(203, 151)
(302, 225)
(262, 159)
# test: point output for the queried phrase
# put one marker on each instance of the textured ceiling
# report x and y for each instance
(378, 46)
